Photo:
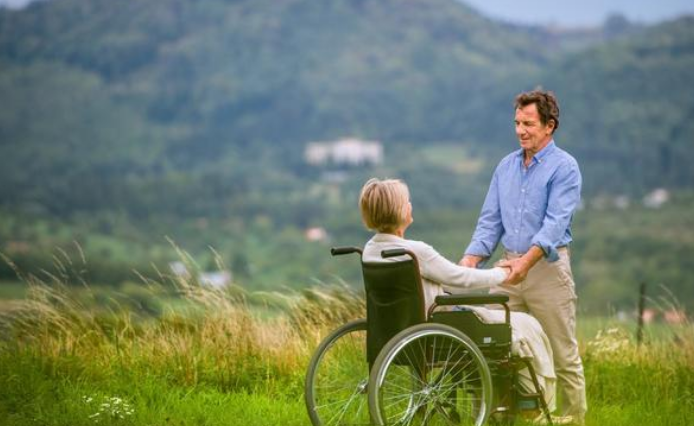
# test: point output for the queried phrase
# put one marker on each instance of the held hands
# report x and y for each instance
(521, 265)
(518, 270)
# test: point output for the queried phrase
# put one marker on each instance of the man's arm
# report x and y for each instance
(489, 228)
(470, 260)
(563, 198)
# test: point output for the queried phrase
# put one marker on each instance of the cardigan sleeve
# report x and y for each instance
(437, 268)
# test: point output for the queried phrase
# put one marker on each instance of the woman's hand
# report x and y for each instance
(512, 278)
(470, 261)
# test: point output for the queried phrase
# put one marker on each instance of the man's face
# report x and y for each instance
(532, 134)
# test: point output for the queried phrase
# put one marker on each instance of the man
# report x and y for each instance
(529, 208)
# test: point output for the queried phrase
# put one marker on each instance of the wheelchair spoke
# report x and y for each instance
(457, 362)
(337, 378)
(431, 375)
(339, 401)
(341, 413)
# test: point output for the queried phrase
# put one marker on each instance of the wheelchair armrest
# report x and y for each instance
(394, 252)
(338, 251)
(471, 299)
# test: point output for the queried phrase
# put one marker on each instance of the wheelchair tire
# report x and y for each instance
(430, 374)
(336, 381)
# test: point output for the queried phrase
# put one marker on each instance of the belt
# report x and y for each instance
(565, 247)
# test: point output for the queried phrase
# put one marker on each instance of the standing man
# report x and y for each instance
(529, 207)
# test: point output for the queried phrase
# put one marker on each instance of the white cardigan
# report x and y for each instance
(438, 273)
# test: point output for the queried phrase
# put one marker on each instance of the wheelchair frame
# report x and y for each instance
(433, 367)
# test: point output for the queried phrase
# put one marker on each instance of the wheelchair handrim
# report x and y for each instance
(423, 331)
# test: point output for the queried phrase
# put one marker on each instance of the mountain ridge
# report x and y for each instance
(122, 95)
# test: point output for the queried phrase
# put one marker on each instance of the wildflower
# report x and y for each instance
(610, 342)
(113, 407)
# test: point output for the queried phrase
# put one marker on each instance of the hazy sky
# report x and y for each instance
(14, 3)
(581, 13)
(565, 13)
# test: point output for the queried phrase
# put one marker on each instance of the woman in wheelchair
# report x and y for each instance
(386, 209)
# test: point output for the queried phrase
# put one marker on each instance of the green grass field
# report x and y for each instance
(64, 360)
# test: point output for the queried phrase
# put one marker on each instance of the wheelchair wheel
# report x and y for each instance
(430, 374)
(337, 378)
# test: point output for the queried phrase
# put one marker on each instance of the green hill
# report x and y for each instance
(110, 99)
(147, 119)
(629, 106)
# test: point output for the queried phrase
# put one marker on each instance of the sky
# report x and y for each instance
(14, 3)
(583, 13)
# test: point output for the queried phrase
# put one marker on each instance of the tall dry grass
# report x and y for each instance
(233, 340)
(657, 375)
(205, 336)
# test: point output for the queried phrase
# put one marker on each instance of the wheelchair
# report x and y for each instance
(404, 365)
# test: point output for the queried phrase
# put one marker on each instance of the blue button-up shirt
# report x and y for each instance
(529, 206)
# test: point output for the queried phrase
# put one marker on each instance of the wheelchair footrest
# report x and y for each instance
(529, 401)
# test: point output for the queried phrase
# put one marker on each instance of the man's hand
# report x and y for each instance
(521, 265)
(518, 270)
(470, 260)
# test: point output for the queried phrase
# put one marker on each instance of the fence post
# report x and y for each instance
(642, 306)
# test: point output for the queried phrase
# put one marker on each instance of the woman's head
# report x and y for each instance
(385, 205)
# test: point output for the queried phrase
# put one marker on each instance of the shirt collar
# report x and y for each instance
(544, 152)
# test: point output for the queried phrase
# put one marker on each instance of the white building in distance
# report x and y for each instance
(656, 198)
(216, 279)
(349, 152)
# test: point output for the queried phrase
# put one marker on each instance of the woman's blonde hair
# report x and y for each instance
(383, 204)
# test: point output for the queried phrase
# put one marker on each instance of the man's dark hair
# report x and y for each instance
(546, 102)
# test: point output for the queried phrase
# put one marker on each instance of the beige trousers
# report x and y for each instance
(548, 293)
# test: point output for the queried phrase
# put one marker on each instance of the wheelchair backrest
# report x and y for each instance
(394, 301)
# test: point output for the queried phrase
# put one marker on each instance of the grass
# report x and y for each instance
(212, 360)
(38, 396)
(12, 290)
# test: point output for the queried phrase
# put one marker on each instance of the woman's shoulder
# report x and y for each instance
(418, 247)
(422, 250)
(386, 241)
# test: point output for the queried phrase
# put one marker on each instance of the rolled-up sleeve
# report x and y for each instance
(563, 198)
(489, 225)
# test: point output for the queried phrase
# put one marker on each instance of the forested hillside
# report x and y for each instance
(148, 119)
(117, 99)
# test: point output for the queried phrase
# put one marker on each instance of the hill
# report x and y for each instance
(133, 120)
(121, 99)
(629, 106)
(113, 101)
